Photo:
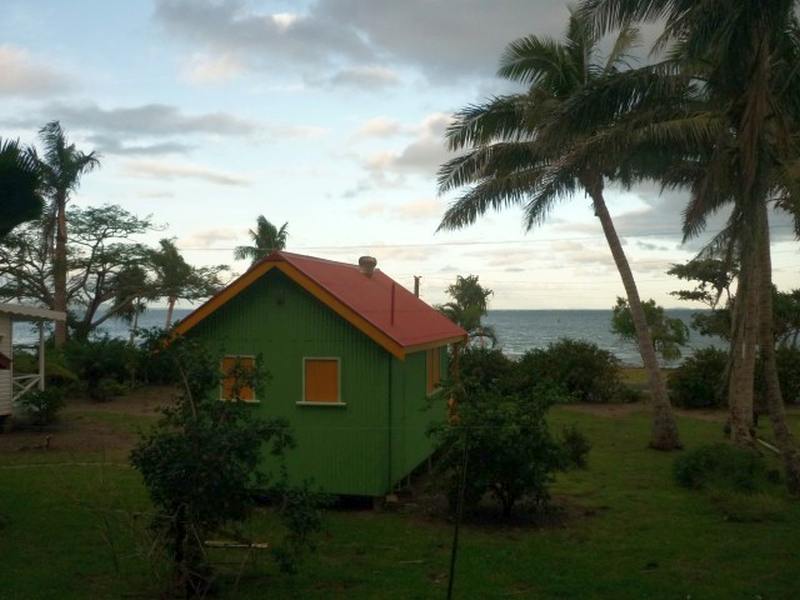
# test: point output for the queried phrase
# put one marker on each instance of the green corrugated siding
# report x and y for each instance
(345, 450)
(413, 412)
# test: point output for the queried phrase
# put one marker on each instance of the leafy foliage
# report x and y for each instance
(509, 450)
(201, 465)
(788, 360)
(721, 466)
(576, 447)
(470, 303)
(668, 334)
(104, 366)
(699, 381)
(20, 186)
(585, 372)
(42, 406)
(266, 239)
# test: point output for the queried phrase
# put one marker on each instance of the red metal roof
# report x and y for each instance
(377, 299)
(407, 320)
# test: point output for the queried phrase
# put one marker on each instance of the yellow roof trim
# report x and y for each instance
(308, 284)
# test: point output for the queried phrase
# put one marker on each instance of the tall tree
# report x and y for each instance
(266, 239)
(20, 186)
(178, 280)
(742, 153)
(469, 304)
(517, 145)
(100, 257)
(62, 167)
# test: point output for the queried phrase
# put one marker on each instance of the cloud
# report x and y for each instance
(420, 157)
(105, 144)
(157, 120)
(21, 75)
(369, 77)
(204, 69)
(446, 39)
(378, 127)
(206, 238)
(420, 210)
(265, 40)
(168, 171)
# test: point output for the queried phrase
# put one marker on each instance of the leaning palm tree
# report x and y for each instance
(20, 186)
(515, 145)
(744, 53)
(266, 239)
(62, 167)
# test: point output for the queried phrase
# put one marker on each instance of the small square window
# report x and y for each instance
(433, 369)
(236, 382)
(321, 381)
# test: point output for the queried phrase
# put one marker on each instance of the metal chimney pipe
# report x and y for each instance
(416, 284)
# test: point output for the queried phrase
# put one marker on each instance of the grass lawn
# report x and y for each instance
(70, 517)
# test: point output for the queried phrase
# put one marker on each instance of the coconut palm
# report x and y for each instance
(744, 53)
(515, 145)
(266, 239)
(20, 186)
(62, 167)
(469, 304)
(178, 280)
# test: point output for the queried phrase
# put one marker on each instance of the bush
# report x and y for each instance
(156, 366)
(698, 381)
(721, 466)
(585, 372)
(484, 368)
(104, 366)
(510, 452)
(197, 493)
(575, 447)
(42, 406)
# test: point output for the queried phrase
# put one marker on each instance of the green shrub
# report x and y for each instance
(585, 372)
(200, 465)
(156, 366)
(698, 381)
(104, 366)
(42, 406)
(721, 466)
(487, 368)
(575, 447)
(510, 451)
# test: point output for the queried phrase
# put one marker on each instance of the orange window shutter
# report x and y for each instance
(321, 380)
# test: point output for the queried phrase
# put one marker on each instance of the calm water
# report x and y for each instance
(517, 330)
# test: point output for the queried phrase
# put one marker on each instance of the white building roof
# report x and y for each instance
(32, 313)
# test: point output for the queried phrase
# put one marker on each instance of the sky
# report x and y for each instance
(328, 115)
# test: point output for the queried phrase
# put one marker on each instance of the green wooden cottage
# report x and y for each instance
(353, 358)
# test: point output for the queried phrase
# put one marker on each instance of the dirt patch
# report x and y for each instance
(143, 401)
(86, 426)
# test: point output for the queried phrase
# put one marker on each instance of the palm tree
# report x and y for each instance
(20, 186)
(470, 303)
(266, 239)
(62, 167)
(178, 280)
(516, 146)
(744, 54)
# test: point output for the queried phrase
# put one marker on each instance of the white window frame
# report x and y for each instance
(303, 401)
(255, 399)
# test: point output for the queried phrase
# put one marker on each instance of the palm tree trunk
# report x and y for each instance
(664, 434)
(60, 270)
(777, 412)
(743, 353)
(170, 309)
(134, 326)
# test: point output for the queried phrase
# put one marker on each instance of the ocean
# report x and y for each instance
(517, 330)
